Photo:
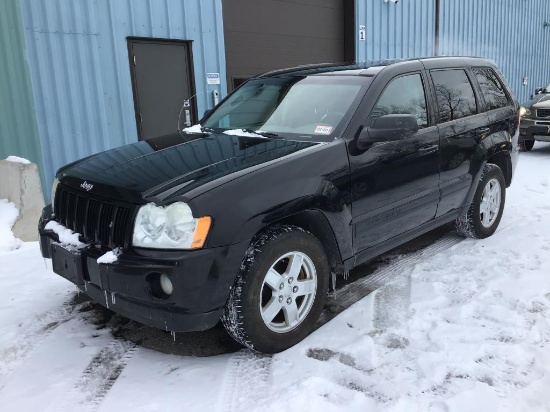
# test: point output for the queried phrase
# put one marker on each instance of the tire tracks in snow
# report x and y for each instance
(383, 277)
(34, 333)
(248, 369)
(246, 380)
(103, 369)
(98, 377)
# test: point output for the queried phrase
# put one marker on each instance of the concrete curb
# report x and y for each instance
(20, 184)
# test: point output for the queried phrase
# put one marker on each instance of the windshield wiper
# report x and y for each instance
(264, 134)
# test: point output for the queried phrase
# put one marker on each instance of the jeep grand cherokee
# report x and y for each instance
(296, 175)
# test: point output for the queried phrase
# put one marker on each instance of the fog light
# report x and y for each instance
(166, 284)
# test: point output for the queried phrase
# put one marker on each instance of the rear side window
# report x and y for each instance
(455, 95)
(403, 95)
(492, 89)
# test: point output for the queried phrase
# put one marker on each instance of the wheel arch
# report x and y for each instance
(502, 159)
(494, 155)
(315, 222)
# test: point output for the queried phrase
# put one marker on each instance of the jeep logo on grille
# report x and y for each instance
(86, 186)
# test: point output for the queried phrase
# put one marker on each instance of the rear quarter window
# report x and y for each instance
(492, 89)
(454, 93)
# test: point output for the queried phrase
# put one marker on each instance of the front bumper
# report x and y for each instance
(201, 279)
(532, 129)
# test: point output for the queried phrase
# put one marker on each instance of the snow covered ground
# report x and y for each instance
(464, 329)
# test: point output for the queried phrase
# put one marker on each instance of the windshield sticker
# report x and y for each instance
(323, 130)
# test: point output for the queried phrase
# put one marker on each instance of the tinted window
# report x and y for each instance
(455, 96)
(404, 95)
(492, 89)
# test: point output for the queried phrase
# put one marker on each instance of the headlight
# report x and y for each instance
(170, 227)
(54, 188)
(524, 111)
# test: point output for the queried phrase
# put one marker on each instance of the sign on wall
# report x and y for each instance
(212, 78)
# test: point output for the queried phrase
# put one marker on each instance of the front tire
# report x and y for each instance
(484, 214)
(279, 291)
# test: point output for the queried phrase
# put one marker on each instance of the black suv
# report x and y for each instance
(296, 175)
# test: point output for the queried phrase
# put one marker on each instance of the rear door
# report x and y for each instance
(461, 127)
(394, 185)
(500, 107)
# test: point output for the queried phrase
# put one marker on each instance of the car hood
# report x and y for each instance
(539, 101)
(169, 166)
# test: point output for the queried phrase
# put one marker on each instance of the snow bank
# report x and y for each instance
(16, 159)
(8, 215)
(66, 236)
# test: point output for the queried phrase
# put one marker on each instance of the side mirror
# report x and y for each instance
(388, 128)
(538, 90)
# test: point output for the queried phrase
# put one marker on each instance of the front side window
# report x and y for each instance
(293, 106)
(455, 95)
(493, 92)
(404, 95)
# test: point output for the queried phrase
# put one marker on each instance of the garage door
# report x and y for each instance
(263, 35)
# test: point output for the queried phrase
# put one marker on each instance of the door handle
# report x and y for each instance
(423, 151)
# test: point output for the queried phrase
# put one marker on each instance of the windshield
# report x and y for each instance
(546, 89)
(295, 107)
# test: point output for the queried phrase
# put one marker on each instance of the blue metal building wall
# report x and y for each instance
(18, 130)
(395, 30)
(80, 73)
(77, 54)
(510, 32)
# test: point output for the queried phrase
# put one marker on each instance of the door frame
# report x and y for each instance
(350, 31)
(155, 40)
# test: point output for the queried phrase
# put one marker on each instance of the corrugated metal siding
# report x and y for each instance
(511, 32)
(395, 30)
(18, 131)
(80, 72)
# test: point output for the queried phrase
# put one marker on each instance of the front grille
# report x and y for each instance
(543, 112)
(98, 220)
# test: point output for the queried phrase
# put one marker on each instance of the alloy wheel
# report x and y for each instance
(490, 203)
(288, 292)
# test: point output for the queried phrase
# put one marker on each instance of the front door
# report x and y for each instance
(162, 83)
(394, 185)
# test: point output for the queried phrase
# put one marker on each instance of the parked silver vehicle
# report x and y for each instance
(535, 119)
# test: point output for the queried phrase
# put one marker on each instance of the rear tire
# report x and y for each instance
(526, 145)
(484, 214)
(279, 291)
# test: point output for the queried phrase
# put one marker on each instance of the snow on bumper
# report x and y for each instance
(201, 281)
